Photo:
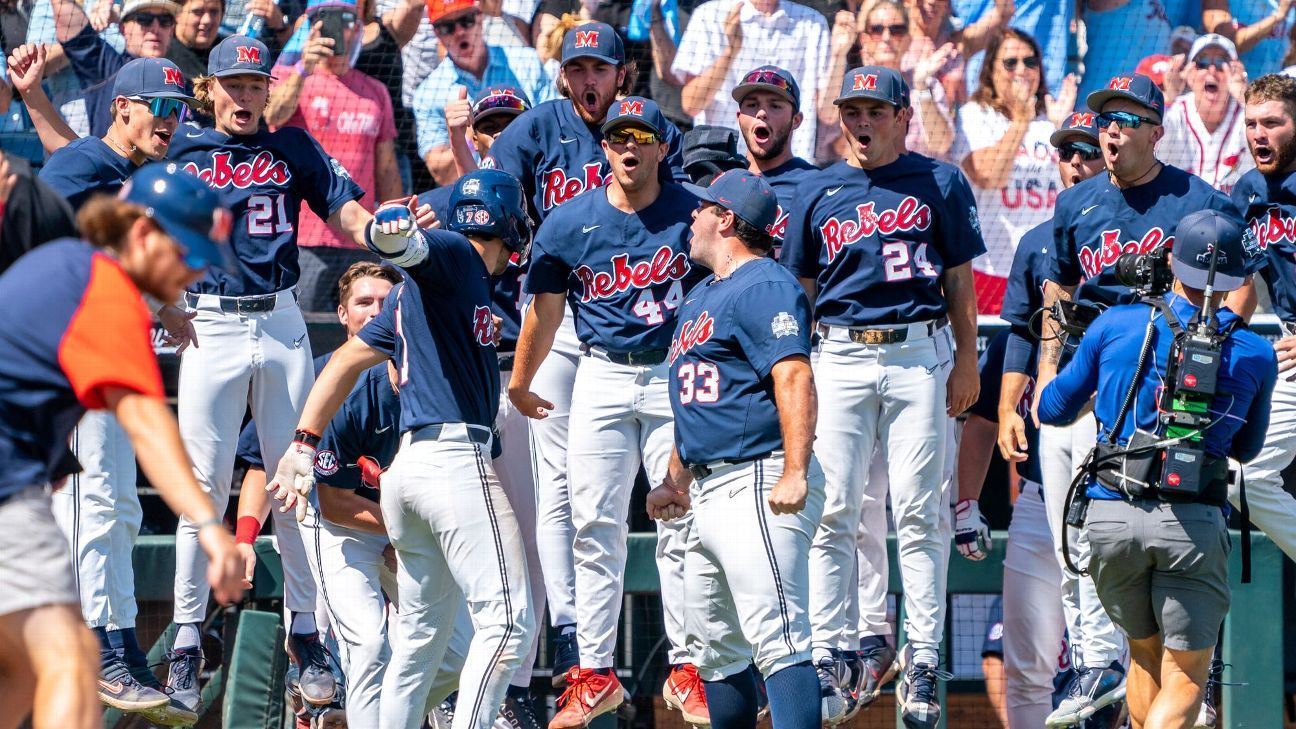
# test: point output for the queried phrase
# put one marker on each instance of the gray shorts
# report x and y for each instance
(1161, 568)
(35, 562)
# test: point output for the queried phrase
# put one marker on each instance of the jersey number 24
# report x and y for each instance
(899, 264)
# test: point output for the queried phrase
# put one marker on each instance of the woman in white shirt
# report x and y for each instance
(1002, 145)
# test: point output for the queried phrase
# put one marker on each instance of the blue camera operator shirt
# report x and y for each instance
(1105, 363)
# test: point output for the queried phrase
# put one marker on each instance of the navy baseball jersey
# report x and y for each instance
(1269, 207)
(366, 425)
(731, 333)
(506, 289)
(987, 404)
(264, 178)
(785, 179)
(877, 242)
(1095, 221)
(85, 167)
(624, 274)
(1024, 297)
(557, 156)
(437, 328)
(249, 443)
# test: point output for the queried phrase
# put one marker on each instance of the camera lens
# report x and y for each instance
(1129, 270)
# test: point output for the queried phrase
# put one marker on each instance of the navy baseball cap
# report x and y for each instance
(593, 40)
(1197, 237)
(151, 78)
(769, 78)
(874, 82)
(492, 100)
(635, 111)
(1136, 87)
(239, 55)
(746, 195)
(185, 208)
(1081, 125)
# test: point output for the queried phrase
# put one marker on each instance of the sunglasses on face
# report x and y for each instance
(1123, 119)
(1010, 64)
(164, 20)
(640, 136)
(447, 27)
(164, 107)
(878, 29)
(1088, 152)
(1205, 63)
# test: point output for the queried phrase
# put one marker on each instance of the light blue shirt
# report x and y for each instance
(518, 67)
(1046, 21)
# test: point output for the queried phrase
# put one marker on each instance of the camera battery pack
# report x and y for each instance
(1183, 474)
(1198, 370)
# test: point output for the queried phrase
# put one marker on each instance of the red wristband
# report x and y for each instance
(247, 530)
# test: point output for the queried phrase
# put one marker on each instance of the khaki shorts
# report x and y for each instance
(35, 562)
(1161, 568)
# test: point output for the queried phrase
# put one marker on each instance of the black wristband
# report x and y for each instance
(307, 438)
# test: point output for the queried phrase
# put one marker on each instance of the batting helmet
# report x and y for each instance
(491, 202)
(185, 208)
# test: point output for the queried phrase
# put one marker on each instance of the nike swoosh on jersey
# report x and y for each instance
(833, 191)
(380, 431)
(588, 228)
(565, 140)
(297, 342)
(1090, 209)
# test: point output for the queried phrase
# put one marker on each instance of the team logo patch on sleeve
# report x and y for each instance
(338, 169)
(974, 220)
(326, 463)
(784, 325)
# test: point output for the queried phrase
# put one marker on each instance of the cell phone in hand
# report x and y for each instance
(333, 21)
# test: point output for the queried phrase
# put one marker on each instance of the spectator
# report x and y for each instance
(27, 65)
(492, 110)
(726, 38)
(1047, 21)
(380, 57)
(884, 35)
(470, 65)
(1181, 40)
(350, 115)
(935, 23)
(1258, 28)
(1003, 147)
(1204, 128)
(197, 30)
(1120, 33)
(62, 83)
(147, 26)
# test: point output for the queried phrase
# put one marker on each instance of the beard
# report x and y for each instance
(1283, 157)
(778, 142)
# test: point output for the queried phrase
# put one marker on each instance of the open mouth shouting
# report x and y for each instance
(762, 133)
(1264, 154)
(864, 141)
(589, 102)
(162, 137)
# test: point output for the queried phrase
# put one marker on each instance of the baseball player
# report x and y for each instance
(554, 150)
(619, 257)
(445, 512)
(85, 344)
(481, 121)
(1267, 198)
(1134, 208)
(742, 345)
(882, 243)
(769, 102)
(250, 335)
(99, 511)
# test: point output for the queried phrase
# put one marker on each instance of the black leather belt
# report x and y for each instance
(702, 470)
(646, 358)
(891, 335)
(476, 434)
(242, 304)
(506, 362)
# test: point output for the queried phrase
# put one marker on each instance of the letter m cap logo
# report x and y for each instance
(1081, 119)
(172, 77)
(587, 38)
(632, 108)
(249, 54)
(1120, 83)
(865, 83)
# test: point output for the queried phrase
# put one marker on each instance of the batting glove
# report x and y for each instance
(971, 530)
(295, 477)
(394, 235)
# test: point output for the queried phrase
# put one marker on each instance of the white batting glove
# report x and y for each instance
(294, 478)
(394, 234)
(971, 530)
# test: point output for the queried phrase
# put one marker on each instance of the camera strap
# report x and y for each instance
(1114, 431)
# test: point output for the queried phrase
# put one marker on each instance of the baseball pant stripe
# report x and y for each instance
(504, 580)
(758, 491)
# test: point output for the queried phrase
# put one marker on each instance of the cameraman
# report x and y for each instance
(1160, 551)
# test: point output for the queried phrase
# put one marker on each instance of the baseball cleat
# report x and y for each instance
(182, 677)
(917, 697)
(566, 654)
(119, 689)
(173, 713)
(1089, 690)
(872, 669)
(833, 703)
(588, 695)
(684, 693)
(518, 710)
(316, 681)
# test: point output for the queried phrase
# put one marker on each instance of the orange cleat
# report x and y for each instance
(588, 695)
(683, 692)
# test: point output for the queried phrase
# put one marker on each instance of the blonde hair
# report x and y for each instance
(202, 89)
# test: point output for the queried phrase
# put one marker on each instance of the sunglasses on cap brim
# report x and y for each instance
(500, 101)
(768, 78)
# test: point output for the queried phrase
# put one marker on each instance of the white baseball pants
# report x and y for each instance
(1033, 625)
(264, 360)
(1062, 451)
(891, 396)
(99, 512)
(456, 539)
(513, 468)
(746, 584)
(620, 418)
(1272, 509)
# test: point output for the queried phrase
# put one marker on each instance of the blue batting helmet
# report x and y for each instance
(185, 208)
(491, 202)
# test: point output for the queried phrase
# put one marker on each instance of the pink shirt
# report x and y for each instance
(348, 115)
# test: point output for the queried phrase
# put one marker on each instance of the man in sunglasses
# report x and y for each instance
(469, 66)
(1134, 208)
(148, 27)
(619, 257)
(1203, 128)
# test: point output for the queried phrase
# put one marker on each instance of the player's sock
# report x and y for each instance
(105, 643)
(794, 697)
(603, 671)
(187, 636)
(731, 702)
(926, 655)
(126, 643)
(872, 641)
(303, 624)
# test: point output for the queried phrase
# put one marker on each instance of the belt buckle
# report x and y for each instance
(875, 336)
(699, 471)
